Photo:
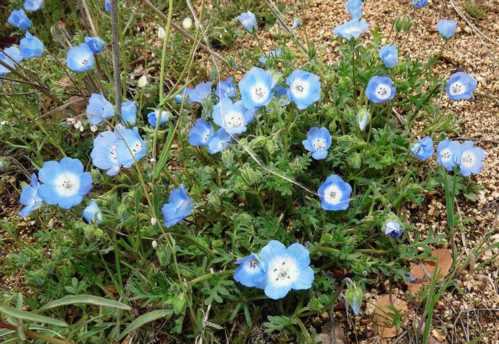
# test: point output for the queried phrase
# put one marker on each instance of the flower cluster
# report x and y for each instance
(276, 269)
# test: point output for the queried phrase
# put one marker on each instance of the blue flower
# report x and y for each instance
(286, 269)
(248, 21)
(108, 6)
(92, 213)
(178, 207)
(219, 141)
(19, 19)
(99, 109)
(334, 193)
(389, 55)
(251, 272)
(10, 56)
(129, 112)
(281, 94)
(256, 88)
(419, 3)
(164, 116)
(226, 88)
(393, 228)
(130, 147)
(304, 88)
(200, 133)
(297, 22)
(423, 149)
(447, 153)
(446, 28)
(380, 89)
(233, 117)
(351, 29)
(31, 46)
(199, 93)
(30, 197)
(460, 86)
(354, 8)
(64, 182)
(363, 118)
(105, 153)
(80, 58)
(33, 5)
(470, 159)
(318, 142)
(96, 44)
(275, 53)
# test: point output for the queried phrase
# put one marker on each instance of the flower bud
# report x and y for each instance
(154, 244)
(142, 81)
(353, 297)
(363, 117)
(187, 23)
(161, 32)
(154, 221)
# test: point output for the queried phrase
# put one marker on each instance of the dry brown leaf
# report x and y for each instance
(383, 314)
(423, 272)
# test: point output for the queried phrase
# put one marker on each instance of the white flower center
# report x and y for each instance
(446, 154)
(319, 143)
(283, 271)
(205, 136)
(67, 184)
(457, 88)
(333, 194)
(234, 120)
(467, 159)
(300, 88)
(113, 153)
(259, 93)
(383, 91)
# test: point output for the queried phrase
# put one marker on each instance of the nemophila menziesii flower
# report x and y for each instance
(354, 8)
(318, 142)
(10, 56)
(351, 29)
(447, 153)
(80, 58)
(99, 109)
(363, 117)
(389, 55)
(201, 133)
(31, 46)
(256, 88)
(108, 6)
(64, 182)
(250, 272)
(275, 53)
(96, 44)
(296, 23)
(178, 207)
(30, 198)
(199, 92)
(233, 117)
(163, 115)
(226, 88)
(380, 89)
(470, 159)
(129, 112)
(460, 86)
(130, 147)
(393, 228)
(19, 19)
(33, 5)
(419, 3)
(446, 28)
(105, 153)
(286, 269)
(248, 21)
(219, 141)
(304, 88)
(334, 193)
(92, 213)
(423, 148)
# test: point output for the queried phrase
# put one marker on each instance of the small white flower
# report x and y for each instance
(81, 128)
(161, 32)
(187, 23)
(154, 244)
(142, 81)
(93, 128)
(152, 160)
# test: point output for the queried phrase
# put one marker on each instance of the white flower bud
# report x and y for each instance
(187, 23)
(153, 222)
(93, 128)
(154, 244)
(78, 125)
(161, 32)
(142, 81)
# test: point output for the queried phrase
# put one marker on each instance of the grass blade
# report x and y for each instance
(144, 319)
(86, 300)
(29, 316)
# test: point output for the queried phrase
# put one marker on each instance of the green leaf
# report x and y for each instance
(144, 319)
(86, 299)
(29, 316)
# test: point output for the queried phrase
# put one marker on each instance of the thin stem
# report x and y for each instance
(116, 55)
